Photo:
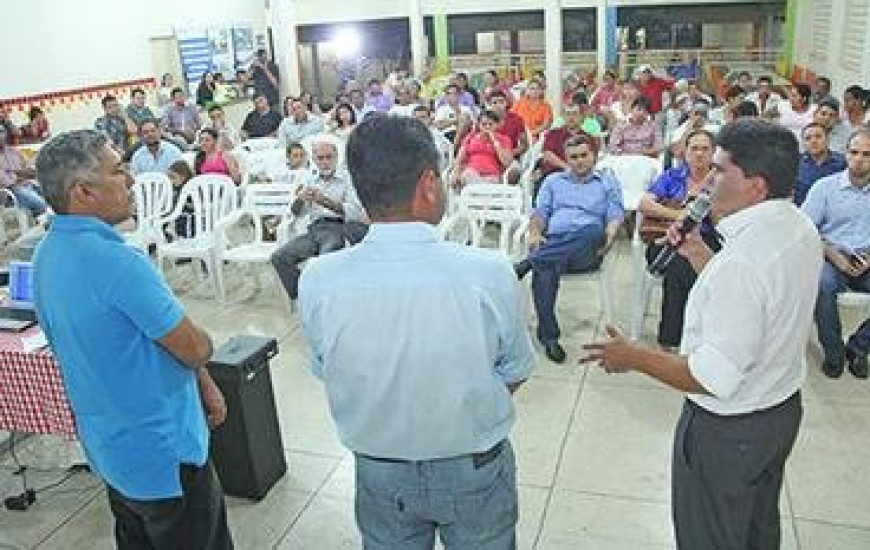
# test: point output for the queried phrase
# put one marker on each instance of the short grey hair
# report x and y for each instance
(66, 158)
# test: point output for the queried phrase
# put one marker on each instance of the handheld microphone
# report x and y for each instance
(698, 210)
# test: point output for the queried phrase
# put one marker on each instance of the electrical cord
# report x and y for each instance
(27, 497)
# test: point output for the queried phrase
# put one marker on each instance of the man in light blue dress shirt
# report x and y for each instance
(839, 206)
(420, 344)
(577, 213)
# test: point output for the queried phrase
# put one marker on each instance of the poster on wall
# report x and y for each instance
(194, 48)
(217, 48)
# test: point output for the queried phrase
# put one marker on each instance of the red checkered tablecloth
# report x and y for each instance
(32, 394)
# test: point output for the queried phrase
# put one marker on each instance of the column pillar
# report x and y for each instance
(553, 52)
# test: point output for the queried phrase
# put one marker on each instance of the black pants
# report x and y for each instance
(196, 520)
(727, 476)
(677, 282)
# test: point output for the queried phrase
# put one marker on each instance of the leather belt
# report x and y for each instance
(479, 460)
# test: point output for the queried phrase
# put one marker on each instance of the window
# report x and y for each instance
(853, 41)
(820, 17)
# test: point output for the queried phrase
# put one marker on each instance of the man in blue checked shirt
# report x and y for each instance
(420, 344)
(577, 214)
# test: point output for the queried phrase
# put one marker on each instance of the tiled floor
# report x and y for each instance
(593, 452)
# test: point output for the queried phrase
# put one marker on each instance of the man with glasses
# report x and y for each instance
(334, 215)
(577, 213)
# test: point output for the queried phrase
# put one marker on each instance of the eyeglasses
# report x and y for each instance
(323, 157)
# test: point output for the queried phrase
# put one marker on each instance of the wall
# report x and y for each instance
(90, 42)
(827, 60)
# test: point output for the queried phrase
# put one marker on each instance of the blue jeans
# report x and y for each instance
(860, 341)
(29, 198)
(575, 252)
(833, 282)
(401, 504)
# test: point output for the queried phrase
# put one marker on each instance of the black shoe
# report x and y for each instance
(554, 352)
(857, 363)
(522, 268)
(832, 369)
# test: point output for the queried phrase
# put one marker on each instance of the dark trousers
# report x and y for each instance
(575, 252)
(196, 520)
(827, 314)
(859, 342)
(323, 236)
(727, 476)
(677, 282)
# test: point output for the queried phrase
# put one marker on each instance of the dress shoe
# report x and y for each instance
(522, 269)
(554, 352)
(857, 363)
(832, 369)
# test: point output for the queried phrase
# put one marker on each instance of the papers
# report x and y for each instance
(34, 342)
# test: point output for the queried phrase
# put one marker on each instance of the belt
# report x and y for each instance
(328, 219)
(479, 460)
(789, 401)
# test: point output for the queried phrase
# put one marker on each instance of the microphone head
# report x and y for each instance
(700, 207)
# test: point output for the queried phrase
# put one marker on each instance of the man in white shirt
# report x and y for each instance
(298, 124)
(442, 144)
(329, 205)
(452, 116)
(741, 360)
(798, 111)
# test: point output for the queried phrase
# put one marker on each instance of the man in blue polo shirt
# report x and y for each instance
(133, 363)
(577, 213)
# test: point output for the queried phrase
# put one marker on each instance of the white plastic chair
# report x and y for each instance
(635, 173)
(260, 163)
(262, 201)
(481, 203)
(213, 197)
(152, 193)
(260, 144)
(858, 300)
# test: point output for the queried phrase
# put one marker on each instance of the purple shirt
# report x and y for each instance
(381, 102)
(465, 98)
(183, 119)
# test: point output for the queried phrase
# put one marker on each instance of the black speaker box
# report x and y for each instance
(246, 448)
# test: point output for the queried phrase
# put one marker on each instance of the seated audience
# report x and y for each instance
(156, 154)
(179, 173)
(407, 97)
(797, 112)
(114, 126)
(262, 121)
(606, 95)
(181, 120)
(534, 109)
(211, 159)
(37, 129)
(839, 206)
(697, 120)
(639, 135)
(574, 224)
(655, 89)
(816, 161)
(485, 154)
(822, 90)
(723, 114)
(828, 115)
(18, 177)
(205, 90)
(511, 124)
(492, 84)
(217, 121)
(765, 98)
(620, 110)
(553, 157)
(461, 80)
(666, 200)
(343, 120)
(137, 111)
(465, 97)
(451, 117)
(298, 122)
(330, 205)
(358, 102)
(692, 96)
(856, 107)
(378, 98)
(444, 146)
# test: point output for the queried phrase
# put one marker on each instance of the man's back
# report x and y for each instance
(439, 326)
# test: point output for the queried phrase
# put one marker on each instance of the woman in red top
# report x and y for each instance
(37, 129)
(211, 159)
(485, 153)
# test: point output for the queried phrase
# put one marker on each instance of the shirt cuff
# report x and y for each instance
(715, 372)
